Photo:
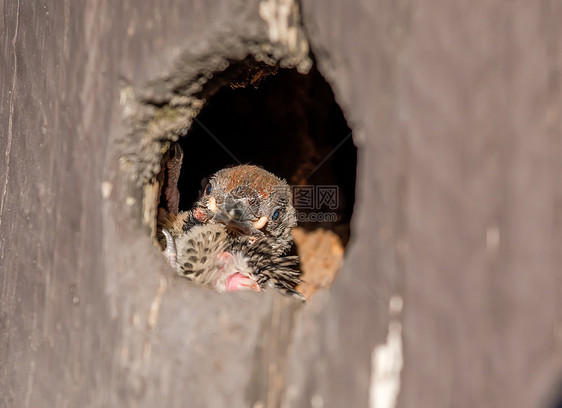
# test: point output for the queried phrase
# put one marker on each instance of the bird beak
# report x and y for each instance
(259, 224)
(212, 204)
(239, 281)
(235, 214)
(237, 209)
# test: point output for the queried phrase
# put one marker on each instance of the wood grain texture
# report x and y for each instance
(456, 110)
(458, 207)
(85, 294)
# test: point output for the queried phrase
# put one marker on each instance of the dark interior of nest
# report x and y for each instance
(289, 124)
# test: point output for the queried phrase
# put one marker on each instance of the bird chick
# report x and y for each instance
(235, 236)
(202, 255)
(252, 202)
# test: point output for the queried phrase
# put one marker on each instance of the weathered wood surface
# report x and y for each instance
(456, 110)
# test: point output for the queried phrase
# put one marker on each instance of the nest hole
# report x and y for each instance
(290, 124)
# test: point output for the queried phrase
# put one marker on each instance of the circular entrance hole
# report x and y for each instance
(290, 124)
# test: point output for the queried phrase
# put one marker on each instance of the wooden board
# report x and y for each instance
(458, 218)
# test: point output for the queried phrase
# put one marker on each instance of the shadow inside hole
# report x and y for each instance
(555, 397)
(292, 126)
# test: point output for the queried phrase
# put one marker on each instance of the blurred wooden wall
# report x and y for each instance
(456, 111)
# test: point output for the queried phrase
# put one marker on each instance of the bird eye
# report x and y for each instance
(275, 215)
(208, 189)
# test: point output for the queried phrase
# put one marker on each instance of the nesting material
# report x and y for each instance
(321, 255)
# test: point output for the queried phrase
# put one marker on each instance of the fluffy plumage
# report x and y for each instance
(237, 233)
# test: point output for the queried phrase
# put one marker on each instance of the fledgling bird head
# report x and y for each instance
(251, 202)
